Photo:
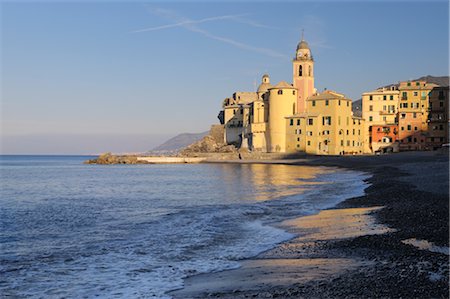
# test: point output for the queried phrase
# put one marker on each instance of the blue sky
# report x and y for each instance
(83, 77)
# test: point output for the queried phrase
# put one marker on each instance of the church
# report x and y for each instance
(289, 118)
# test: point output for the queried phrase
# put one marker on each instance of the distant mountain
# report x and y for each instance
(357, 108)
(441, 81)
(180, 141)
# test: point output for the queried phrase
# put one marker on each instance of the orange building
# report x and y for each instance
(385, 138)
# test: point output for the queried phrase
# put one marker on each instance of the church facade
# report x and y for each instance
(289, 118)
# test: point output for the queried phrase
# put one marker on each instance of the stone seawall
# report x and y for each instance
(170, 160)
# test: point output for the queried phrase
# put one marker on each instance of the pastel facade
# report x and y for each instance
(328, 128)
(413, 114)
(438, 122)
(379, 108)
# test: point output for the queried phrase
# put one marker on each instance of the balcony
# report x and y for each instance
(404, 98)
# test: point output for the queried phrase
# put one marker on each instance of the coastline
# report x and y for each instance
(411, 188)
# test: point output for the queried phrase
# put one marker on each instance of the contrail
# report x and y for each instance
(189, 22)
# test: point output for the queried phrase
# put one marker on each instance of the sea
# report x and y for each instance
(72, 230)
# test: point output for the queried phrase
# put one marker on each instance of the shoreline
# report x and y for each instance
(380, 265)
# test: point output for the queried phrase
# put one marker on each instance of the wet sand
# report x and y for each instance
(366, 247)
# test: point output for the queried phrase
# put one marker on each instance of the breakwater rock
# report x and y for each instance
(109, 158)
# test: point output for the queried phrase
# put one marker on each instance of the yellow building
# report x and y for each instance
(293, 117)
(379, 108)
(327, 128)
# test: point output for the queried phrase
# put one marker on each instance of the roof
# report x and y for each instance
(302, 45)
(263, 87)
(328, 95)
(283, 84)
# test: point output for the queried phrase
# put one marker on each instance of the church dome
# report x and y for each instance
(265, 84)
(302, 45)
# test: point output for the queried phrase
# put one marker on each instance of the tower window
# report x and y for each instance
(280, 91)
(326, 102)
(313, 103)
(298, 122)
(300, 70)
(291, 122)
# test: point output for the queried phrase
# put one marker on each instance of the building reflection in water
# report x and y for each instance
(261, 182)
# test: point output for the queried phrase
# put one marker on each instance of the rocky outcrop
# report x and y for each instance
(108, 158)
(208, 145)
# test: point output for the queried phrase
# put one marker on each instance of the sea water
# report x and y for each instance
(135, 231)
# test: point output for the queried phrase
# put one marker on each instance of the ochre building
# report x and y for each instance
(289, 118)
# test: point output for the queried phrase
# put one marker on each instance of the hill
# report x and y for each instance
(180, 141)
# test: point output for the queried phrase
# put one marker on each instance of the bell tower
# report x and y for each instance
(303, 74)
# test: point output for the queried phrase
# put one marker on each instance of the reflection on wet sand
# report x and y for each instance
(268, 181)
(336, 224)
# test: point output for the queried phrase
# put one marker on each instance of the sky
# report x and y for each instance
(89, 77)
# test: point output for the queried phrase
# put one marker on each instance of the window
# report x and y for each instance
(441, 127)
(300, 70)
(313, 103)
(293, 92)
(348, 142)
(404, 95)
(384, 98)
(408, 84)
(391, 98)
(339, 102)
(310, 121)
(370, 108)
(339, 120)
(309, 142)
(298, 138)
(384, 108)
(409, 139)
(414, 115)
(342, 142)
(298, 122)
(409, 127)
(280, 91)
(347, 132)
(415, 128)
(298, 145)
(441, 104)
(326, 102)
(348, 103)
(326, 120)
(359, 132)
(291, 122)
(402, 128)
(309, 71)
(370, 118)
(416, 93)
(417, 83)
(370, 98)
(384, 118)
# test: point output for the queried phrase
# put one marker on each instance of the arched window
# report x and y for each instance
(300, 70)
(309, 71)
(280, 91)
(293, 108)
